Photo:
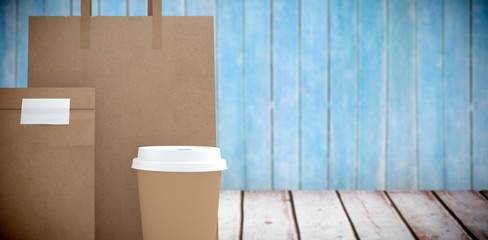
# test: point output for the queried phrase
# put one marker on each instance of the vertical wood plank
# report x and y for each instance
(430, 94)
(96, 7)
(402, 127)
(113, 7)
(285, 94)
(372, 94)
(480, 93)
(320, 216)
(230, 90)
(8, 41)
(268, 215)
(76, 7)
(343, 94)
(257, 77)
(373, 215)
(426, 216)
(470, 207)
(56, 8)
(26, 8)
(456, 95)
(200, 7)
(170, 7)
(313, 95)
(174, 8)
(139, 7)
(230, 215)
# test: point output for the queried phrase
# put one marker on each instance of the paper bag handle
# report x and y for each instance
(154, 9)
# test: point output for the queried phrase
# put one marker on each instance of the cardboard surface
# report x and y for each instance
(47, 172)
(145, 95)
(179, 205)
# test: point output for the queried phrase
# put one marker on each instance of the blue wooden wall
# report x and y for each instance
(338, 94)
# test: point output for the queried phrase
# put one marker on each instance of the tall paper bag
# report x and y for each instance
(154, 78)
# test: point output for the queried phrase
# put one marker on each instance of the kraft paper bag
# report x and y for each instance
(155, 85)
(47, 172)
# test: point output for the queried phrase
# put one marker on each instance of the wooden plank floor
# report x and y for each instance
(353, 215)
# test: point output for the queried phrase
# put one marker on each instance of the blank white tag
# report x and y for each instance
(52, 111)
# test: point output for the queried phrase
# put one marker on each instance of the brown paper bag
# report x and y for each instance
(154, 78)
(47, 172)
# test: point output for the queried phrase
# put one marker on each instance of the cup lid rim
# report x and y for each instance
(179, 159)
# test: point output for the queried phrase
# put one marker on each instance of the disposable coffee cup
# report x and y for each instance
(179, 189)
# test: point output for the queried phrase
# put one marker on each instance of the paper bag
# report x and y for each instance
(47, 172)
(154, 78)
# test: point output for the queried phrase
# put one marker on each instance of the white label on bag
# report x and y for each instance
(52, 111)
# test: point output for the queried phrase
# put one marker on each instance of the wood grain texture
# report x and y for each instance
(313, 94)
(430, 94)
(402, 127)
(230, 215)
(320, 215)
(426, 216)
(257, 91)
(373, 215)
(485, 193)
(372, 94)
(480, 93)
(8, 41)
(96, 7)
(56, 8)
(113, 7)
(268, 215)
(343, 97)
(200, 7)
(25, 9)
(456, 95)
(230, 102)
(139, 7)
(470, 207)
(285, 94)
(75, 8)
(174, 8)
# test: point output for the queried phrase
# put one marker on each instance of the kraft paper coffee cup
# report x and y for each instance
(179, 189)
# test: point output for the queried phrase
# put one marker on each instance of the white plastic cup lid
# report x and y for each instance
(179, 159)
